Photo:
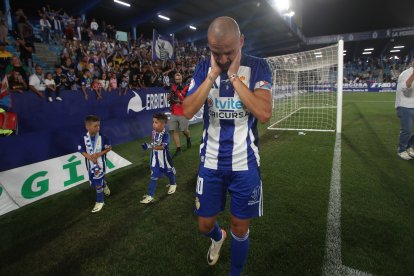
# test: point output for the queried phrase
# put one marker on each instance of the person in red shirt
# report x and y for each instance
(178, 122)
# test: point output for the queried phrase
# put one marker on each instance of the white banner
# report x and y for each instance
(27, 184)
(6, 203)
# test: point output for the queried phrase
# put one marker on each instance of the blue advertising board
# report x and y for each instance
(48, 130)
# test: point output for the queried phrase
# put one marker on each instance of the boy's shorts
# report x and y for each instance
(96, 181)
(157, 172)
(245, 189)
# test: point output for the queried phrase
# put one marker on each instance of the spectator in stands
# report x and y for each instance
(72, 79)
(94, 27)
(69, 32)
(45, 26)
(16, 65)
(51, 88)
(113, 83)
(3, 17)
(134, 83)
(124, 84)
(5, 57)
(404, 104)
(60, 79)
(26, 49)
(57, 28)
(158, 77)
(86, 82)
(96, 86)
(67, 65)
(178, 122)
(21, 22)
(16, 82)
(147, 75)
(105, 82)
(3, 31)
(37, 82)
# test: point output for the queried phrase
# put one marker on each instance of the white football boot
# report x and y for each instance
(147, 199)
(98, 206)
(213, 253)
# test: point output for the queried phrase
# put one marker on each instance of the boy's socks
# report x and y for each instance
(152, 186)
(215, 233)
(99, 194)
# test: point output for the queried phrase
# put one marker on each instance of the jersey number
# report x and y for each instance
(199, 188)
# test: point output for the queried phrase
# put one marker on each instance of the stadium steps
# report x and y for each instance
(45, 57)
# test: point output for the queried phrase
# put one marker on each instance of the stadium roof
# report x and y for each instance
(265, 30)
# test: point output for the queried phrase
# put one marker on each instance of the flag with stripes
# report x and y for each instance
(162, 46)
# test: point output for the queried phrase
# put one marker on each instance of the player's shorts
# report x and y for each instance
(157, 172)
(96, 181)
(244, 187)
(178, 122)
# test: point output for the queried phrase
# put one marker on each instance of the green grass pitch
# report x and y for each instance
(59, 235)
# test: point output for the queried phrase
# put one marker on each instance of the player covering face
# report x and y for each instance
(235, 91)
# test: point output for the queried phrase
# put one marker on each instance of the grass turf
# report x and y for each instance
(60, 235)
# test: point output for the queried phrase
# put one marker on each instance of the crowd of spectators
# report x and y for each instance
(374, 69)
(91, 59)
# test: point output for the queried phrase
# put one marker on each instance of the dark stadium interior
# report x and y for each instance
(265, 31)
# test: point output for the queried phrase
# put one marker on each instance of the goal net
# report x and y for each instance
(307, 90)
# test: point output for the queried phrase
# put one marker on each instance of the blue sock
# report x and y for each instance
(239, 252)
(215, 233)
(99, 194)
(171, 177)
(152, 186)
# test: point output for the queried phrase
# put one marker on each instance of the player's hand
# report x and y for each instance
(215, 68)
(235, 64)
(146, 146)
(95, 156)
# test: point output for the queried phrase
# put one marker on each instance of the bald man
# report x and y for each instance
(235, 90)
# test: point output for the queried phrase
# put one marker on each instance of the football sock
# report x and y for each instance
(99, 194)
(215, 233)
(152, 186)
(239, 252)
(171, 177)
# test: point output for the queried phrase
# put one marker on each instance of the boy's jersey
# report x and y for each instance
(161, 158)
(90, 145)
(230, 138)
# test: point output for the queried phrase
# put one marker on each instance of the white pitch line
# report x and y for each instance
(333, 255)
(333, 258)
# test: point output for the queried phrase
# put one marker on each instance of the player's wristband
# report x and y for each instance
(232, 78)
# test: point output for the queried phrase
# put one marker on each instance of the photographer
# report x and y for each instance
(178, 122)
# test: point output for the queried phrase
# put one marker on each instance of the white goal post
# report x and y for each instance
(307, 90)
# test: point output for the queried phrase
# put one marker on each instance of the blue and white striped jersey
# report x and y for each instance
(161, 158)
(230, 137)
(93, 144)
